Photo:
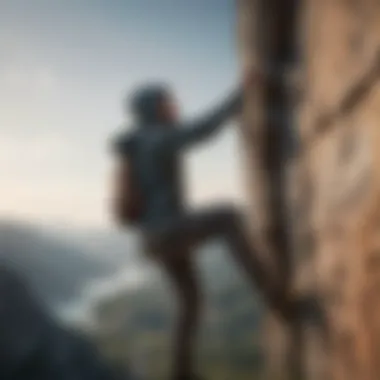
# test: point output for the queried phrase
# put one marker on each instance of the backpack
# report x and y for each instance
(128, 202)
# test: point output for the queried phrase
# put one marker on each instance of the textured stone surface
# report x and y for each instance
(334, 183)
(341, 44)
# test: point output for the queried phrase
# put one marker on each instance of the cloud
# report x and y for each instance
(33, 80)
(44, 178)
(28, 97)
(30, 152)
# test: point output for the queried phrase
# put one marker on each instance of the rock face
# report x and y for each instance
(33, 346)
(335, 213)
(339, 124)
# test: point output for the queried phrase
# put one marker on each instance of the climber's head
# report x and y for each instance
(154, 103)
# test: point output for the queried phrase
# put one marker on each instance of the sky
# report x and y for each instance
(65, 67)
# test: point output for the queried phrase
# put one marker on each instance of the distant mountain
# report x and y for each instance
(95, 269)
(119, 247)
(57, 267)
(34, 346)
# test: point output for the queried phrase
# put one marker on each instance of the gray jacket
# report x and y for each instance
(154, 151)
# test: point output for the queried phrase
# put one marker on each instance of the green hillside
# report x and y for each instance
(136, 326)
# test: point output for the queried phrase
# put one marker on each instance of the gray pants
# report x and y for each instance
(174, 246)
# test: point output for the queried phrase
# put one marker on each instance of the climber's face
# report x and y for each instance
(168, 110)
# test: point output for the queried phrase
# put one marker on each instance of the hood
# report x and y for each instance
(144, 103)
